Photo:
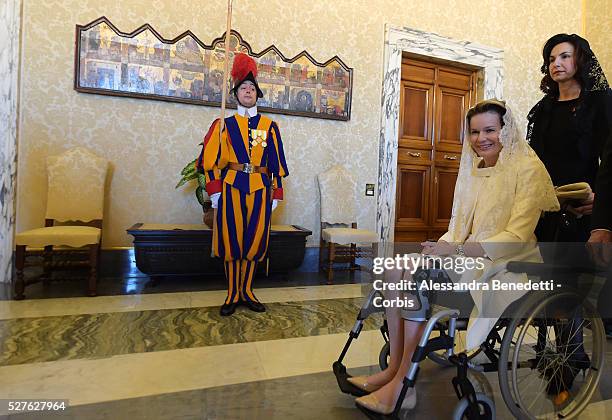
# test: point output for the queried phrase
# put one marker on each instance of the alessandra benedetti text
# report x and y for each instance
(409, 301)
(437, 285)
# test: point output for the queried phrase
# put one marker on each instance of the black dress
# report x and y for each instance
(569, 138)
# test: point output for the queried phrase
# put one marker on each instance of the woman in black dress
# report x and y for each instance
(568, 129)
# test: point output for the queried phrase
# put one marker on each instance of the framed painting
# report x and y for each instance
(143, 64)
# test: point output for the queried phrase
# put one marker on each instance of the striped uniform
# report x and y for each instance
(245, 205)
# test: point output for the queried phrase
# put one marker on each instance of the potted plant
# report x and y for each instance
(189, 172)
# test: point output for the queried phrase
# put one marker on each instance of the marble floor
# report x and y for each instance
(118, 275)
(171, 356)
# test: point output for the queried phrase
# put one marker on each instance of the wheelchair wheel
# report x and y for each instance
(383, 357)
(486, 408)
(439, 357)
(542, 357)
(480, 383)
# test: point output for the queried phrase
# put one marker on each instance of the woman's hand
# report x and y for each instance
(437, 248)
(442, 248)
(587, 206)
(600, 247)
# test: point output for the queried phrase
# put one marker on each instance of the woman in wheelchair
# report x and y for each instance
(501, 190)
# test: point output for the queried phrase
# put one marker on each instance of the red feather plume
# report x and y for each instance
(243, 64)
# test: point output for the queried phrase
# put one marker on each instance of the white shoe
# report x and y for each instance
(371, 403)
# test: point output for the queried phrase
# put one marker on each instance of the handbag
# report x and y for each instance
(570, 226)
(578, 191)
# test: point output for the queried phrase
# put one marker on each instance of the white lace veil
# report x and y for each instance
(512, 157)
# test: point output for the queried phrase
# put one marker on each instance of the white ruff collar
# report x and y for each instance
(247, 112)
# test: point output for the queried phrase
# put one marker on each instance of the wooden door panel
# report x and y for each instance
(451, 107)
(418, 71)
(413, 156)
(416, 116)
(443, 192)
(412, 195)
(455, 78)
(447, 158)
(416, 236)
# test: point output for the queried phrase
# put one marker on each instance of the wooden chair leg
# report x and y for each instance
(93, 271)
(20, 255)
(47, 262)
(321, 251)
(330, 262)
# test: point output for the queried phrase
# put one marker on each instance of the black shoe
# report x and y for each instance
(228, 308)
(563, 376)
(254, 305)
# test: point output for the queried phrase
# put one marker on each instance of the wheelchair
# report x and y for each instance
(531, 347)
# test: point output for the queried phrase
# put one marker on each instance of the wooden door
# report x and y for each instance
(434, 99)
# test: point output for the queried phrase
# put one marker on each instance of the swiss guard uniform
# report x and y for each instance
(246, 166)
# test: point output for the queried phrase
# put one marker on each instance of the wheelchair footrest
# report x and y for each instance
(342, 379)
(377, 416)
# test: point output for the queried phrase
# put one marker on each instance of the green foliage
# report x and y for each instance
(200, 195)
(189, 173)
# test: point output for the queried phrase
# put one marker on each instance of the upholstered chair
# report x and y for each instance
(73, 219)
(340, 238)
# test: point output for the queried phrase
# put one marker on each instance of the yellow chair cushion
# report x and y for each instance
(73, 236)
(345, 236)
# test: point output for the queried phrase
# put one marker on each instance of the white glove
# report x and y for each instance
(215, 199)
(274, 204)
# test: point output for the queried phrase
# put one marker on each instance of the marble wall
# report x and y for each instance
(10, 14)
(148, 142)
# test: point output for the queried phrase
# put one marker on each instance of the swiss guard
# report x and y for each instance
(244, 167)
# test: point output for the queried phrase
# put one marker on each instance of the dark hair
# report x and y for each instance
(489, 105)
(582, 54)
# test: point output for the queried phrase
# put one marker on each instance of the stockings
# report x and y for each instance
(239, 274)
